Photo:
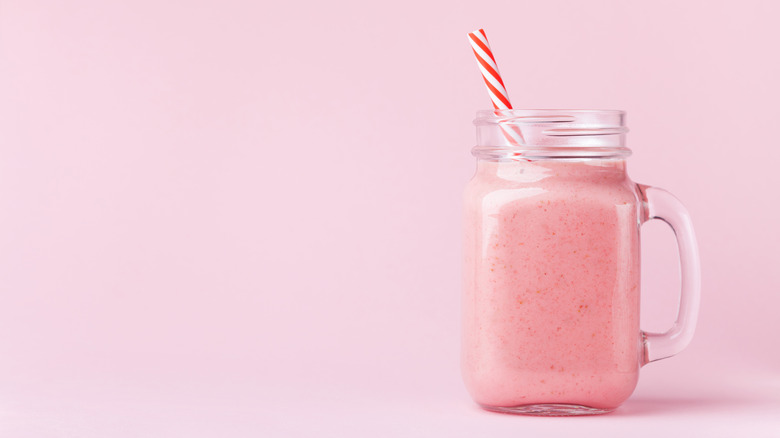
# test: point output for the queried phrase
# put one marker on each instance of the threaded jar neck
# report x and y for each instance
(550, 134)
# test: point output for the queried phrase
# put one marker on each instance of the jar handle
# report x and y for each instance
(660, 204)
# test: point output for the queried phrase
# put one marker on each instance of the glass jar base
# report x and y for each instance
(548, 410)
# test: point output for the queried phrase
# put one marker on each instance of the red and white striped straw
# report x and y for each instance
(493, 82)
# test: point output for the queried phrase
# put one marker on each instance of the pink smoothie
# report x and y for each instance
(551, 294)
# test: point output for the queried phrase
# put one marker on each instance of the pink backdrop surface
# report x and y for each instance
(243, 218)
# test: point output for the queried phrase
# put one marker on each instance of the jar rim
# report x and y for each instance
(502, 115)
(551, 133)
(546, 110)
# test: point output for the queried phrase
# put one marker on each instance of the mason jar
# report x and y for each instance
(552, 265)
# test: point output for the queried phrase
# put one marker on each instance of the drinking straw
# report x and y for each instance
(493, 82)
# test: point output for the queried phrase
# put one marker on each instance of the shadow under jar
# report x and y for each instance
(552, 264)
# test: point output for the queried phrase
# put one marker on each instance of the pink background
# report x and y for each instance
(224, 218)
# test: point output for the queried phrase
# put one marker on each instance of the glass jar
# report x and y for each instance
(552, 264)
